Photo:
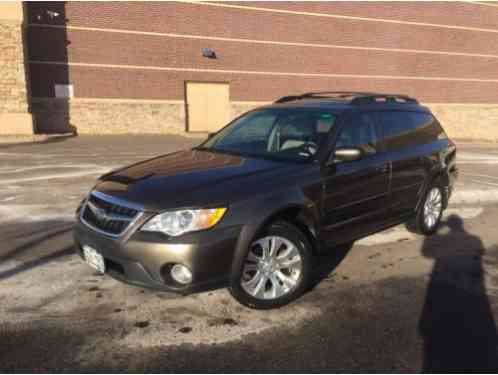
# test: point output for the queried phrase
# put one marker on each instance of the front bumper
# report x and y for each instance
(144, 258)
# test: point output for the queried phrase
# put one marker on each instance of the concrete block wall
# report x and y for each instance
(86, 116)
(472, 122)
(14, 116)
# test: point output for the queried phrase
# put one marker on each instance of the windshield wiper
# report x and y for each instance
(219, 151)
(228, 152)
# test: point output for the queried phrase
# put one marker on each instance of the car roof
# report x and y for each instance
(350, 102)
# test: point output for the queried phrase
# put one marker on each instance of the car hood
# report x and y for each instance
(190, 178)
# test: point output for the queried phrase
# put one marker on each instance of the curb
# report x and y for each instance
(33, 138)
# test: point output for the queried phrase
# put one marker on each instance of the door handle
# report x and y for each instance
(382, 168)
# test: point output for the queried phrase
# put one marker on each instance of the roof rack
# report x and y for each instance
(323, 94)
(335, 94)
(288, 98)
(390, 98)
(354, 96)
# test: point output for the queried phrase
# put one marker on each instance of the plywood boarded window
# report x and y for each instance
(208, 106)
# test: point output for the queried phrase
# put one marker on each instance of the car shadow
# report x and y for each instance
(457, 324)
(326, 263)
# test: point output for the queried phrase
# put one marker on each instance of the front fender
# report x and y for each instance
(259, 213)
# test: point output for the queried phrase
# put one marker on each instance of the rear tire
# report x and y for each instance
(276, 269)
(430, 212)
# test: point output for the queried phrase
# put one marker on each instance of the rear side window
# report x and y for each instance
(407, 129)
(427, 129)
(398, 130)
(361, 133)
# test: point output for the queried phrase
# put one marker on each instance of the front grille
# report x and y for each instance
(108, 214)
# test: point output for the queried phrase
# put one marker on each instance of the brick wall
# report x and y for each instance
(475, 60)
(138, 52)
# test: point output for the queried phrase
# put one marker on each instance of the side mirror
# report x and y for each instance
(346, 154)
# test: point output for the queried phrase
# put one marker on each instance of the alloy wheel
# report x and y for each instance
(432, 207)
(272, 268)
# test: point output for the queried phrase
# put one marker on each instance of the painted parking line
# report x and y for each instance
(88, 155)
(479, 175)
(475, 155)
(400, 233)
(485, 182)
(469, 197)
(9, 170)
(477, 158)
(35, 212)
(56, 176)
(481, 162)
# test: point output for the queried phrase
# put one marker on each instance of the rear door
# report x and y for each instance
(355, 192)
(410, 155)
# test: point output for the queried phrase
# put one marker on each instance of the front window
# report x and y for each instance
(360, 133)
(286, 134)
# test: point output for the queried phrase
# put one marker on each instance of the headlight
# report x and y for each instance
(174, 223)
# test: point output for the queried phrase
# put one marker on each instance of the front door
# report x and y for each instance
(356, 192)
(208, 106)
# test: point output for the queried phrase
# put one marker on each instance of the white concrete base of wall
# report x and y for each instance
(16, 124)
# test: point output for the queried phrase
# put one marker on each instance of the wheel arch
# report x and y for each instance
(301, 217)
(444, 179)
(302, 213)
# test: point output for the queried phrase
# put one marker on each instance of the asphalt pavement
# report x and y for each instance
(394, 302)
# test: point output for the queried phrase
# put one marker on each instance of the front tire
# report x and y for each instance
(276, 269)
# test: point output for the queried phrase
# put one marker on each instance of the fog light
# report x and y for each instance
(181, 274)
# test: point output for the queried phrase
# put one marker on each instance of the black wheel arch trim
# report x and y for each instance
(438, 174)
(305, 217)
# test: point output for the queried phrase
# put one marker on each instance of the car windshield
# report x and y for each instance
(285, 134)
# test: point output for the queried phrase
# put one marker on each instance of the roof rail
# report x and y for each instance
(288, 98)
(335, 94)
(355, 97)
(390, 98)
(323, 94)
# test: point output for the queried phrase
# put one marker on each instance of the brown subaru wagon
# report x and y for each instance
(252, 207)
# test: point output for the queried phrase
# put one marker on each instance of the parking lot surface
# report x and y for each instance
(394, 302)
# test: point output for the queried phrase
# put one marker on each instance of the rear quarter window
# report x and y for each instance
(427, 128)
(407, 129)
